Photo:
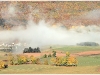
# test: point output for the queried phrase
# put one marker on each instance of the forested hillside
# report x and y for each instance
(68, 13)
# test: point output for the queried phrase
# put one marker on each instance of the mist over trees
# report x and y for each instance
(88, 44)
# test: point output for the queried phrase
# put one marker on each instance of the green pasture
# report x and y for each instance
(88, 60)
(74, 49)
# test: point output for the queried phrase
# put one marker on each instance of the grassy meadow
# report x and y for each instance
(75, 49)
(48, 69)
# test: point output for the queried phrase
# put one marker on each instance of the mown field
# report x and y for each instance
(86, 64)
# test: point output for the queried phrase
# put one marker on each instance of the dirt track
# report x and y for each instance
(87, 53)
(63, 54)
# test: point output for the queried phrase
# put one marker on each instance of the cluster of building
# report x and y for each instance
(11, 46)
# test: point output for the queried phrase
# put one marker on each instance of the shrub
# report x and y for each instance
(72, 61)
(21, 59)
(2, 64)
(64, 61)
(38, 61)
(49, 55)
(16, 63)
(58, 61)
(53, 60)
(46, 62)
(45, 56)
(35, 60)
(67, 54)
(11, 59)
(54, 54)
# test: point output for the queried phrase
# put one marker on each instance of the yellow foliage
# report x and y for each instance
(53, 60)
(64, 61)
(73, 27)
(2, 63)
(72, 61)
(57, 61)
(67, 54)
(34, 60)
(22, 59)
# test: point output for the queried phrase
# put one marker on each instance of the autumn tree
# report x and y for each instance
(21, 59)
(45, 56)
(64, 61)
(72, 61)
(67, 54)
(54, 53)
(35, 60)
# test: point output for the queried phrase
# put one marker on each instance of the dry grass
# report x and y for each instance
(44, 69)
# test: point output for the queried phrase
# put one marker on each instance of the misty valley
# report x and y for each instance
(49, 37)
